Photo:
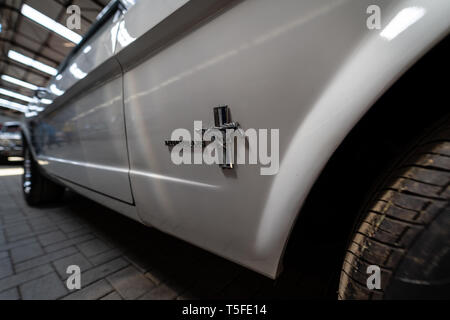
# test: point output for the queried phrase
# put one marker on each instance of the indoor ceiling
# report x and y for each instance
(21, 34)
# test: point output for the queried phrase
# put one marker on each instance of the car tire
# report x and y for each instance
(405, 229)
(37, 188)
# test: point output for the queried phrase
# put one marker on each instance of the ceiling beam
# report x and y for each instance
(31, 39)
(50, 35)
(25, 68)
(14, 43)
(16, 23)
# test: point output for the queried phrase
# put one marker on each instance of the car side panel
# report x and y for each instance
(309, 68)
(82, 137)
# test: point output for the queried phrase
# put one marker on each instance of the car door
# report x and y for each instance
(171, 79)
(187, 58)
(82, 134)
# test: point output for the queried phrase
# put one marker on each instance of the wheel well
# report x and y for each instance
(380, 138)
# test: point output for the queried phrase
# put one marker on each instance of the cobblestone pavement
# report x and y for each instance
(119, 258)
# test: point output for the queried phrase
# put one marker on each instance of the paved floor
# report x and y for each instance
(119, 258)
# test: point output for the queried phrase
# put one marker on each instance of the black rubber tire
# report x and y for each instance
(405, 229)
(38, 189)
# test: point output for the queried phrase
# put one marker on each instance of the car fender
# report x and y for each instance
(379, 60)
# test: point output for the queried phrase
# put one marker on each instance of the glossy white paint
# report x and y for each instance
(87, 128)
(310, 68)
(121, 207)
(149, 15)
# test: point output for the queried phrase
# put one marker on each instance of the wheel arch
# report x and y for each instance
(372, 73)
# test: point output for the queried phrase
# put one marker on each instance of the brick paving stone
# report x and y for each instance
(94, 291)
(105, 256)
(25, 252)
(119, 259)
(32, 234)
(17, 279)
(112, 296)
(17, 230)
(93, 247)
(130, 283)
(31, 211)
(10, 294)
(8, 206)
(40, 223)
(49, 287)
(68, 243)
(102, 271)
(46, 258)
(161, 292)
(156, 277)
(15, 244)
(14, 217)
(79, 233)
(76, 259)
(5, 203)
(2, 237)
(51, 237)
(5, 267)
(141, 261)
(15, 223)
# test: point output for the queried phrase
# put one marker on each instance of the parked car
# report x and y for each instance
(10, 141)
(361, 115)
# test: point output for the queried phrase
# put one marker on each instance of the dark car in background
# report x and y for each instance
(10, 141)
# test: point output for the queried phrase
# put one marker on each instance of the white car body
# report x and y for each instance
(310, 68)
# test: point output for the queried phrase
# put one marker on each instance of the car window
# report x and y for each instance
(11, 129)
(101, 20)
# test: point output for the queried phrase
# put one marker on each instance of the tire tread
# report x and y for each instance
(417, 192)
